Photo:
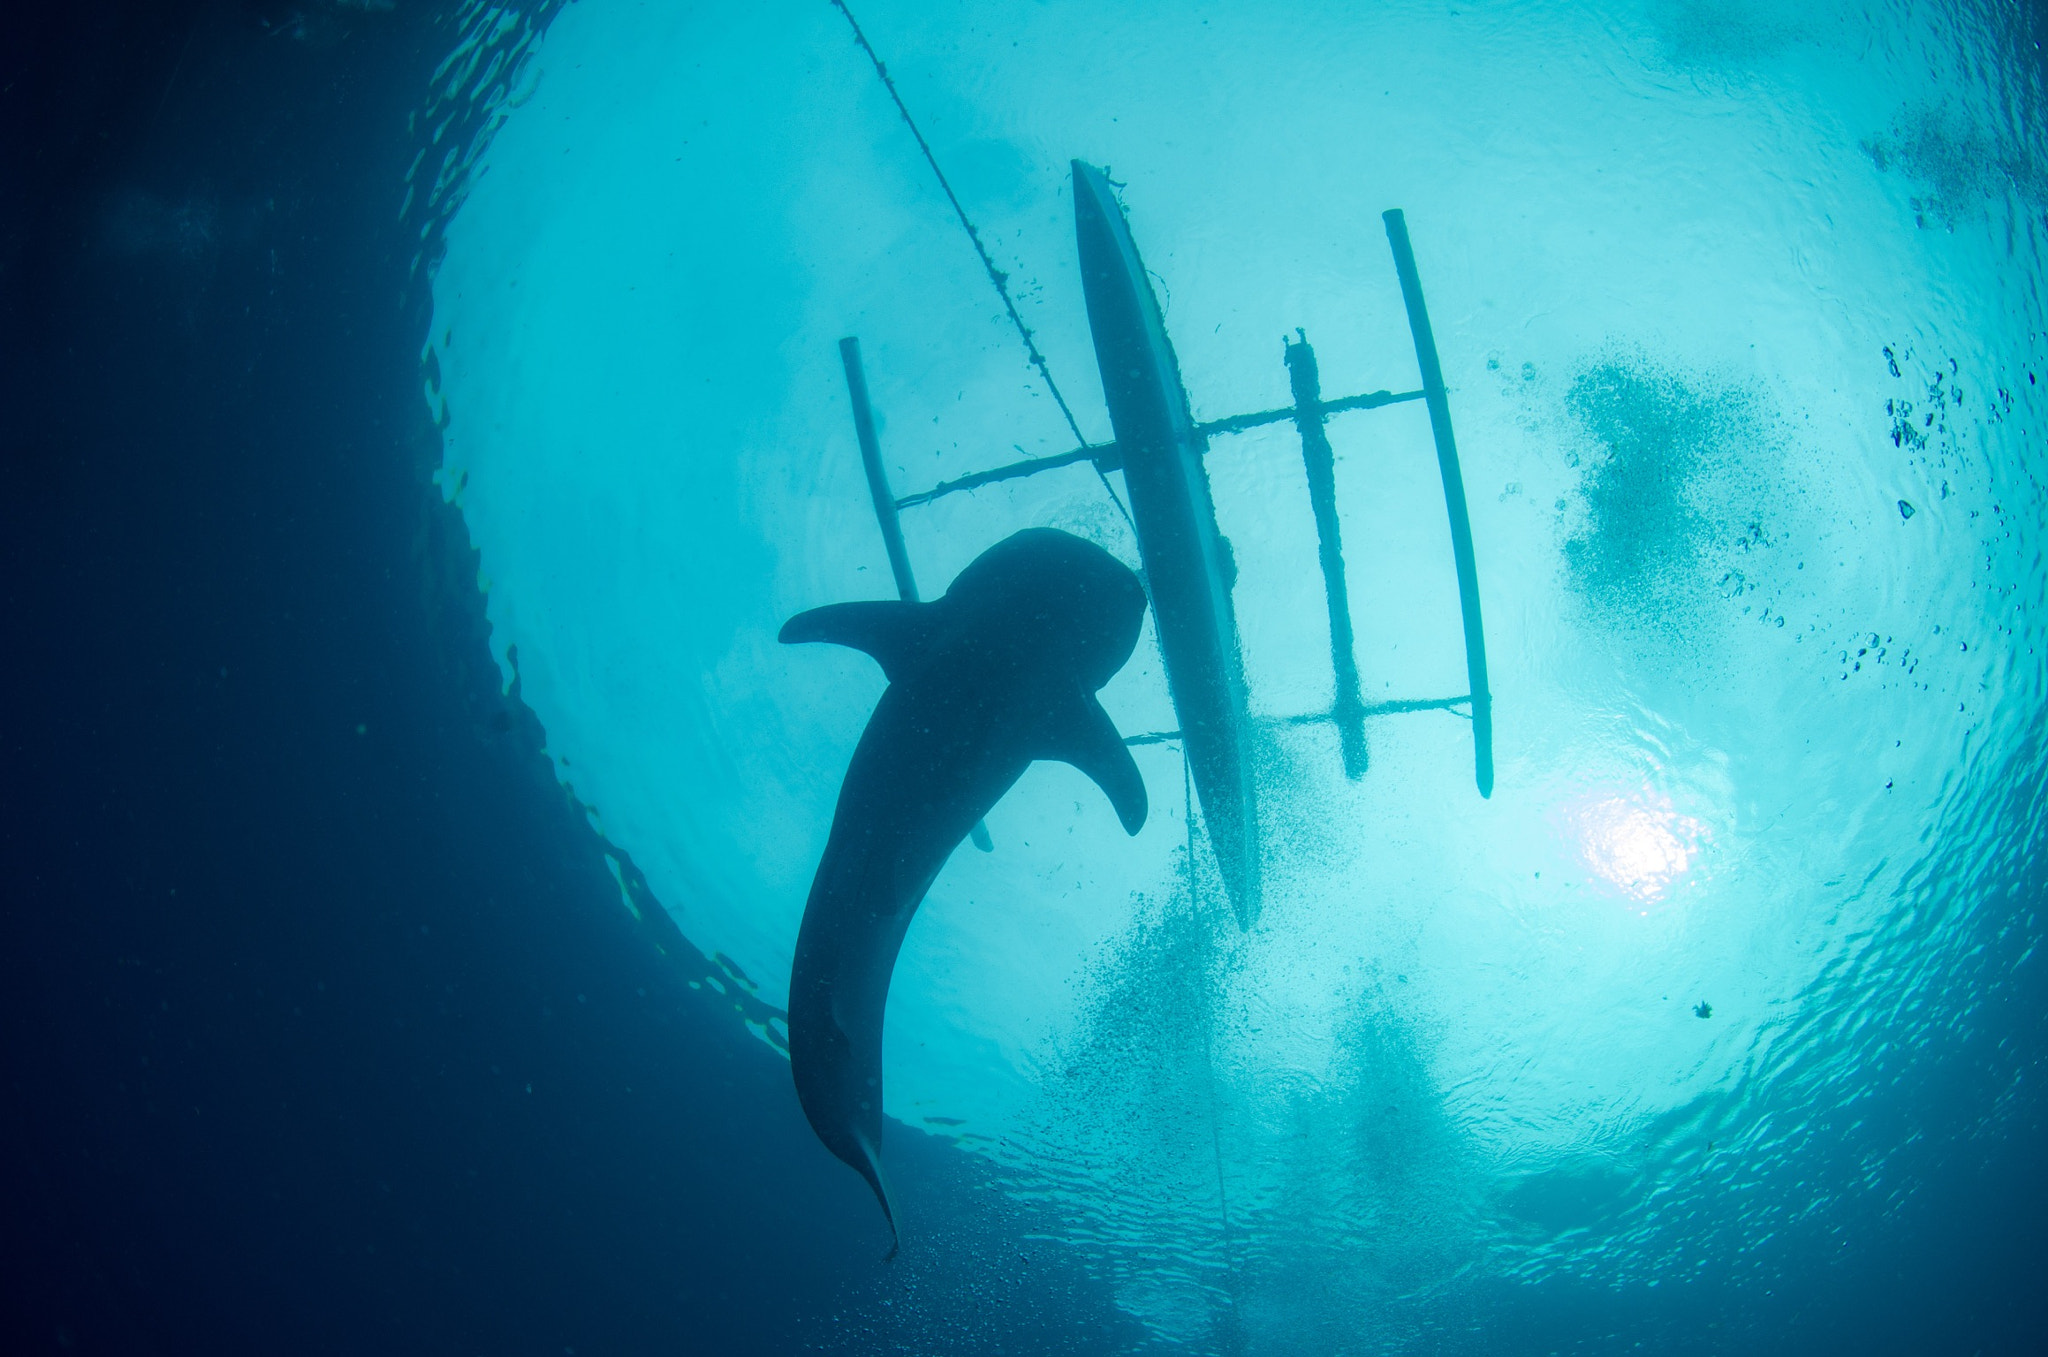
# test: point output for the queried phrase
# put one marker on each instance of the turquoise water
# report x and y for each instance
(1741, 315)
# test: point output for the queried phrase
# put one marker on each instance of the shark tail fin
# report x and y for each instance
(895, 633)
(871, 1169)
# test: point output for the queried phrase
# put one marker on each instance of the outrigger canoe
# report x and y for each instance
(1188, 568)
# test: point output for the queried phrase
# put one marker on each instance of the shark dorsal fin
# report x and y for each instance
(895, 633)
(1079, 731)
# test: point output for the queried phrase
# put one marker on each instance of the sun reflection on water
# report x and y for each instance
(1639, 845)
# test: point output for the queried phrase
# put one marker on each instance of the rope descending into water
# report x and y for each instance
(1187, 788)
(996, 276)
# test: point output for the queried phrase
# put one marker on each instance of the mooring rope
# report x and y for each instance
(996, 276)
(1187, 787)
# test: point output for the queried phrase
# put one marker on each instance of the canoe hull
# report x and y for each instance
(1188, 567)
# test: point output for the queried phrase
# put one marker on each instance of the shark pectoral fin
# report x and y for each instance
(895, 633)
(1082, 734)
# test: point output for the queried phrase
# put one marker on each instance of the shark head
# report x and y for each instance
(1050, 595)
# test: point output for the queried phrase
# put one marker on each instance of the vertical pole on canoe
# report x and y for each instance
(878, 477)
(1439, 404)
(1347, 709)
(885, 504)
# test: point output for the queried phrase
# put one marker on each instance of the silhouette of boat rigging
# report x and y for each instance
(1188, 568)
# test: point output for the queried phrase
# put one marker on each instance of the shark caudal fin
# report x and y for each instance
(895, 633)
(1080, 732)
(871, 1169)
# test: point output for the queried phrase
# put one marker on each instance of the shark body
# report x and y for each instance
(1000, 672)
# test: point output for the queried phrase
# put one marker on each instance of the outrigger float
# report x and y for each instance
(1188, 569)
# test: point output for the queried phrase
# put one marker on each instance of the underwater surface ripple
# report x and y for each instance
(1742, 316)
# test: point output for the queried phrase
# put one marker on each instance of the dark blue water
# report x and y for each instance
(324, 1028)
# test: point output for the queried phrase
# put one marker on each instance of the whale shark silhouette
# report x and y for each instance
(1001, 671)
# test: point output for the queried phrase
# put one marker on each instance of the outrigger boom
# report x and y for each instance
(1159, 448)
(1107, 457)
